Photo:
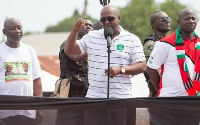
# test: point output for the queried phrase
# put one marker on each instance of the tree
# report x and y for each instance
(64, 25)
(67, 24)
(175, 7)
(135, 16)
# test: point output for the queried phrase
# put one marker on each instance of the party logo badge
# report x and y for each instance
(120, 47)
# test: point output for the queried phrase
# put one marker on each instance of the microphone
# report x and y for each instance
(108, 32)
(104, 2)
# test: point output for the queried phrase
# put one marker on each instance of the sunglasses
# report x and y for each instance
(164, 19)
(109, 18)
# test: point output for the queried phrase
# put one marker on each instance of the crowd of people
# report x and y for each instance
(84, 54)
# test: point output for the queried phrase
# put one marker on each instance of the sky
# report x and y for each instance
(36, 15)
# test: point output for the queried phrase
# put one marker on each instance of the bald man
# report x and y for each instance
(126, 59)
(97, 25)
(15, 53)
(177, 55)
(160, 24)
(127, 56)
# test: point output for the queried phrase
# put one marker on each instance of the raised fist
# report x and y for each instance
(79, 24)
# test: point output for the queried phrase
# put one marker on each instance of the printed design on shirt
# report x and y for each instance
(120, 47)
(150, 61)
(17, 71)
(149, 45)
(185, 67)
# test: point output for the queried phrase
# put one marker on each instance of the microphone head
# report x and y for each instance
(108, 31)
(104, 2)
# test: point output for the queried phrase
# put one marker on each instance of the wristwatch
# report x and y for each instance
(123, 70)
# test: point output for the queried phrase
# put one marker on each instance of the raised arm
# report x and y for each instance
(78, 57)
(71, 47)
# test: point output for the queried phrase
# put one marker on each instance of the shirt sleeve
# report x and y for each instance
(82, 43)
(137, 51)
(36, 69)
(158, 56)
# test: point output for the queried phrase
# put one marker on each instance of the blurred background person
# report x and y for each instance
(72, 68)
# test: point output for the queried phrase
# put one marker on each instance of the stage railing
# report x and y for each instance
(135, 109)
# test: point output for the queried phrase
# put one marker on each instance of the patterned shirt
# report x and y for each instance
(126, 49)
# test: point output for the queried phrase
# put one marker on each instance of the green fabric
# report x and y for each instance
(179, 37)
(181, 57)
(148, 47)
(198, 93)
(198, 47)
(179, 40)
(62, 46)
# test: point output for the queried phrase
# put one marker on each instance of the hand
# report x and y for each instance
(113, 71)
(79, 24)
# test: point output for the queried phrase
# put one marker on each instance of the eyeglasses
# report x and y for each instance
(164, 19)
(109, 18)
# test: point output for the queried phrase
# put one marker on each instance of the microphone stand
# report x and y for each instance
(108, 74)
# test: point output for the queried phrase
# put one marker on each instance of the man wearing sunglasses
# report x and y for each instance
(160, 24)
(126, 57)
(178, 56)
